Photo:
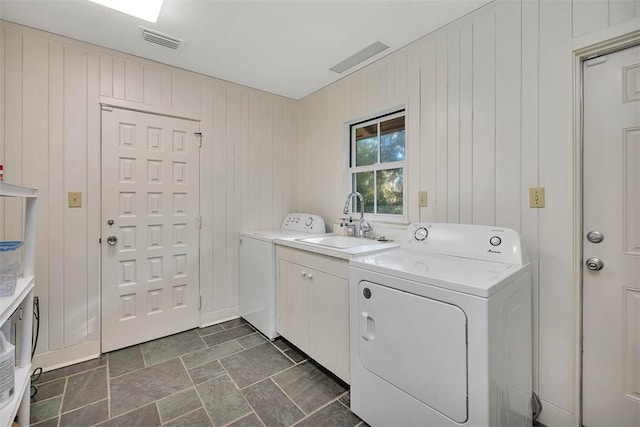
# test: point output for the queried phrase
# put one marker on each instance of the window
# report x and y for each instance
(377, 165)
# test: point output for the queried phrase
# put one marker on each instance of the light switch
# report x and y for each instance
(536, 197)
(422, 199)
(75, 200)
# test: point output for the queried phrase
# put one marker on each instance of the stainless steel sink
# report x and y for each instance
(341, 242)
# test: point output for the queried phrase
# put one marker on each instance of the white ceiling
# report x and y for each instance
(282, 47)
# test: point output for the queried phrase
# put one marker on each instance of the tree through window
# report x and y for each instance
(377, 163)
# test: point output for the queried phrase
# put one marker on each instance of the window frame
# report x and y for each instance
(352, 170)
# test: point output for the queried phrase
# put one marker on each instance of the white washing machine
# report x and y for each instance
(441, 329)
(257, 265)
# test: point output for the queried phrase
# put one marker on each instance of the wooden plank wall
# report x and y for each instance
(488, 102)
(52, 141)
(489, 114)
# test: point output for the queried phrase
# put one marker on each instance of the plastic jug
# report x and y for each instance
(7, 367)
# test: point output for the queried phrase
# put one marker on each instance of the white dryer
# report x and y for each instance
(441, 329)
(257, 268)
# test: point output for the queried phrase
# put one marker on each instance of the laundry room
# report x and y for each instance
(212, 177)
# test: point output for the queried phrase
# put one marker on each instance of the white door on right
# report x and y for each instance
(611, 245)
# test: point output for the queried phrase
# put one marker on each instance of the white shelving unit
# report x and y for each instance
(23, 296)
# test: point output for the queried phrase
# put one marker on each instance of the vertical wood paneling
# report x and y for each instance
(288, 157)
(134, 81)
(13, 130)
(118, 75)
(466, 124)
(185, 92)
(247, 208)
(621, 10)
(277, 199)
(442, 148)
(589, 16)
(153, 85)
(453, 127)
(508, 95)
(556, 222)
(265, 163)
(93, 198)
(530, 156)
(106, 75)
(55, 230)
(428, 142)
(167, 82)
(75, 179)
(232, 202)
(222, 296)
(35, 137)
(412, 122)
(484, 166)
(256, 139)
(207, 277)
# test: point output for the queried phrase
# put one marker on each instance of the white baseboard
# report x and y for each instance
(552, 416)
(67, 356)
(208, 319)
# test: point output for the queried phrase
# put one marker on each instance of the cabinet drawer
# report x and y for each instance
(330, 265)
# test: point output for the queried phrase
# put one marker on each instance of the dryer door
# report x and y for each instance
(417, 344)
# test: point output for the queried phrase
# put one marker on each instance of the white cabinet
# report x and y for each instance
(313, 306)
(23, 296)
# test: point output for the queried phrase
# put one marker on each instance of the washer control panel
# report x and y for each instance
(467, 241)
(302, 222)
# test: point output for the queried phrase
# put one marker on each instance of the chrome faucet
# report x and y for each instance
(364, 226)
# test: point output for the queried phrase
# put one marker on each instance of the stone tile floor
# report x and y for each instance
(222, 375)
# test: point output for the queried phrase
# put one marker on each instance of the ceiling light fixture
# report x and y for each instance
(149, 10)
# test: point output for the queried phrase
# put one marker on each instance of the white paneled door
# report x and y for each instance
(611, 273)
(150, 227)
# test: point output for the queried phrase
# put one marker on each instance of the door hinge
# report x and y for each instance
(200, 303)
(105, 108)
(199, 221)
(199, 135)
(100, 240)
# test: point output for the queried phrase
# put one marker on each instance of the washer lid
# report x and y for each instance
(470, 276)
(271, 235)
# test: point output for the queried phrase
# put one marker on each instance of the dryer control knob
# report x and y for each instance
(308, 222)
(495, 241)
(420, 234)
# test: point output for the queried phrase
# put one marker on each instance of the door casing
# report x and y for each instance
(107, 102)
(612, 40)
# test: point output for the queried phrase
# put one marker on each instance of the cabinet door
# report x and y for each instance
(329, 322)
(292, 303)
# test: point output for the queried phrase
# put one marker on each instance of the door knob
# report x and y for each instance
(594, 264)
(112, 240)
(595, 236)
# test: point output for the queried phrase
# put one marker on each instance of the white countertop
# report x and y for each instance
(369, 246)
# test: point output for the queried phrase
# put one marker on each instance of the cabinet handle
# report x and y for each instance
(309, 276)
(303, 274)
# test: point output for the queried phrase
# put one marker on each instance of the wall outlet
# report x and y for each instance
(422, 199)
(75, 200)
(536, 197)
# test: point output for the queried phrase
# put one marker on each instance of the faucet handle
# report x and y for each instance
(365, 227)
(346, 208)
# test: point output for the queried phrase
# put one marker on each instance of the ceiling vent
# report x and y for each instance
(359, 57)
(160, 39)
